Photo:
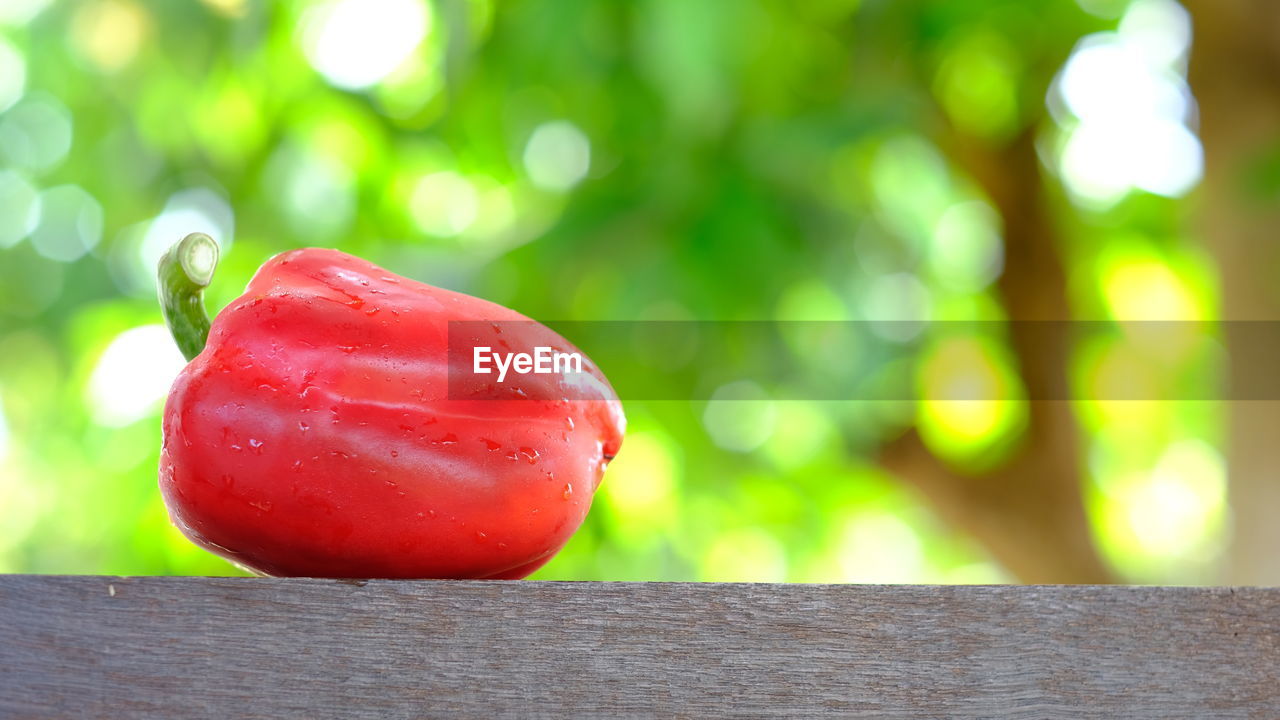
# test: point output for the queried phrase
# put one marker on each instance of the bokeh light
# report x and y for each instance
(70, 223)
(13, 75)
(132, 376)
(356, 43)
(19, 207)
(35, 134)
(444, 204)
(4, 433)
(317, 191)
(1129, 109)
(880, 547)
(557, 156)
(739, 417)
(21, 12)
(108, 34)
(969, 399)
(966, 252)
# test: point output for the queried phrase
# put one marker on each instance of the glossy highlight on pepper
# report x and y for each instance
(314, 434)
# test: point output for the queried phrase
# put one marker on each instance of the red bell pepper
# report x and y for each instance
(315, 433)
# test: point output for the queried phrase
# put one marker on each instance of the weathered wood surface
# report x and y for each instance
(258, 648)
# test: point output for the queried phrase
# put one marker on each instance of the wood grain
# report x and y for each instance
(265, 648)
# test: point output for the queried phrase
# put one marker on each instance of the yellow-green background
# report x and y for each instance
(594, 159)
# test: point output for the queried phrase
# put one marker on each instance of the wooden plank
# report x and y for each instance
(266, 648)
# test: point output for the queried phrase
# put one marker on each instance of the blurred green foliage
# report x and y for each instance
(659, 159)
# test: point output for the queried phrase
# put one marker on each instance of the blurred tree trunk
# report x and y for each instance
(1029, 512)
(1235, 74)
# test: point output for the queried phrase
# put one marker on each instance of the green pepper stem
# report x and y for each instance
(184, 272)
